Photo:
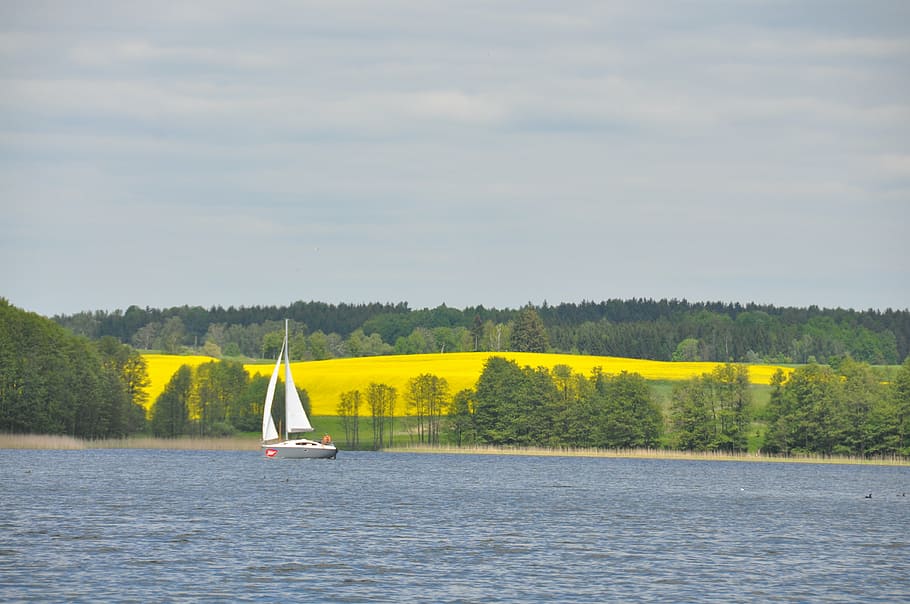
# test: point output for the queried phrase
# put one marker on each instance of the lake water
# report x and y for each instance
(171, 526)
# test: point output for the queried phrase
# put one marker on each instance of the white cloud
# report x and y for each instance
(512, 135)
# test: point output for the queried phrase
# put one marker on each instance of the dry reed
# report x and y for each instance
(49, 441)
(643, 453)
(57, 442)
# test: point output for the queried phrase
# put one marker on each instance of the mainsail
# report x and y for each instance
(297, 420)
(295, 417)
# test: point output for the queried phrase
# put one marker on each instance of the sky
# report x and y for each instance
(222, 153)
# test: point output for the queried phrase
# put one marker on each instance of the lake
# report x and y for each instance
(170, 526)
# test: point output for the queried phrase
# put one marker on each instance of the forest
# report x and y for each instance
(57, 382)
(53, 382)
(639, 328)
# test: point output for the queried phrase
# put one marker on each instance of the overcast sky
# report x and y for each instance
(496, 153)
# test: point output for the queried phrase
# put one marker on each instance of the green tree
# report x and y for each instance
(272, 343)
(496, 336)
(461, 417)
(687, 350)
(712, 411)
(245, 411)
(361, 345)
(495, 405)
(476, 332)
(170, 412)
(581, 421)
(227, 382)
(529, 333)
(146, 336)
(863, 405)
(809, 416)
(171, 336)
(896, 436)
(54, 382)
(515, 405)
(318, 346)
(629, 416)
(691, 414)
(349, 411)
(419, 341)
(732, 403)
(427, 398)
(129, 367)
(381, 401)
(781, 433)
(539, 404)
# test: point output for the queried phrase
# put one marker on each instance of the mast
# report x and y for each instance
(287, 385)
(294, 414)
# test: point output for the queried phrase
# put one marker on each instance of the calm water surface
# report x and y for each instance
(170, 526)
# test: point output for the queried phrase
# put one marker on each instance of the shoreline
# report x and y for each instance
(668, 454)
(69, 443)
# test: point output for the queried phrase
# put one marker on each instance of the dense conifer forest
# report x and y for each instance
(638, 328)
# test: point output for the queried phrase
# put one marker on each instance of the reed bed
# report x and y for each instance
(50, 441)
(40, 441)
(237, 443)
(642, 453)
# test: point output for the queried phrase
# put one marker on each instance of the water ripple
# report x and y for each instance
(199, 526)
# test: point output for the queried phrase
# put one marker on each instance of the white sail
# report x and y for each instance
(268, 424)
(297, 420)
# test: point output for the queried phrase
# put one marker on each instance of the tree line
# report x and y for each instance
(55, 382)
(218, 398)
(847, 409)
(637, 328)
(818, 409)
(844, 410)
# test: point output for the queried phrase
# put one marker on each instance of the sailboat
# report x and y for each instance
(295, 418)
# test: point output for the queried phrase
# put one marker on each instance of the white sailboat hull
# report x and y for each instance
(300, 449)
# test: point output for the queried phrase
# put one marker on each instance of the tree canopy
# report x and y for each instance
(54, 382)
(638, 328)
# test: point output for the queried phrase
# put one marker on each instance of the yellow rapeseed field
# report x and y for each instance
(162, 367)
(326, 380)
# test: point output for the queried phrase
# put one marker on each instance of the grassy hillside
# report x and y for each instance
(326, 380)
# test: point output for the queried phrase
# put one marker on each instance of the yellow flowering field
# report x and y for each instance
(162, 367)
(326, 380)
